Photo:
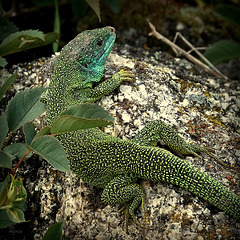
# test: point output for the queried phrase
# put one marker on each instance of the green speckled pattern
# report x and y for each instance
(100, 160)
(80, 63)
(112, 163)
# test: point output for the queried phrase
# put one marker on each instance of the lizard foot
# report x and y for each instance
(124, 76)
(124, 190)
(208, 151)
(128, 214)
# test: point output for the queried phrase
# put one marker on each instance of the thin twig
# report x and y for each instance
(197, 52)
(181, 51)
(197, 48)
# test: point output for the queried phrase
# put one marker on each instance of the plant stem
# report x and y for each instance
(16, 167)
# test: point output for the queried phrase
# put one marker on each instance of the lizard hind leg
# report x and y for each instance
(158, 129)
(124, 190)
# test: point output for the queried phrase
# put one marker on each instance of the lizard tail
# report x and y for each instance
(161, 165)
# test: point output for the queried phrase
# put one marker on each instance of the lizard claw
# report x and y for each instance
(145, 225)
(209, 151)
(126, 76)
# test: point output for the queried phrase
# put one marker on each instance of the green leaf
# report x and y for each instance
(94, 4)
(42, 132)
(50, 38)
(54, 232)
(29, 131)
(24, 40)
(88, 111)
(5, 160)
(3, 190)
(50, 149)
(229, 13)
(17, 149)
(3, 62)
(19, 41)
(7, 84)
(3, 128)
(17, 193)
(4, 220)
(24, 107)
(26, 33)
(80, 117)
(16, 215)
(222, 51)
(56, 25)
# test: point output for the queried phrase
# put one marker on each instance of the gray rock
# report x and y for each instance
(199, 107)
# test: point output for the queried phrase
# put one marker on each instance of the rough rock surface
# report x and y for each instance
(202, 109)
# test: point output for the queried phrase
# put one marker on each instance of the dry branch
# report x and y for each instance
(179, 51)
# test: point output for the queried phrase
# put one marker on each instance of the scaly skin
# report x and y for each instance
(111, 163)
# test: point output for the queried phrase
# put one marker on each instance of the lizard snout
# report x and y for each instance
(112, 29)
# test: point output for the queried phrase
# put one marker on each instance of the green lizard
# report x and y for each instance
(109, 162)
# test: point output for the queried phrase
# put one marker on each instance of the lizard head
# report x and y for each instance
(89, 51)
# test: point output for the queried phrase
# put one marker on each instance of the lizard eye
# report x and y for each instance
(99, 42)
(85, 65)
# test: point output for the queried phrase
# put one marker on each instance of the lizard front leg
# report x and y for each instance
(108, 86)
(156, 130)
